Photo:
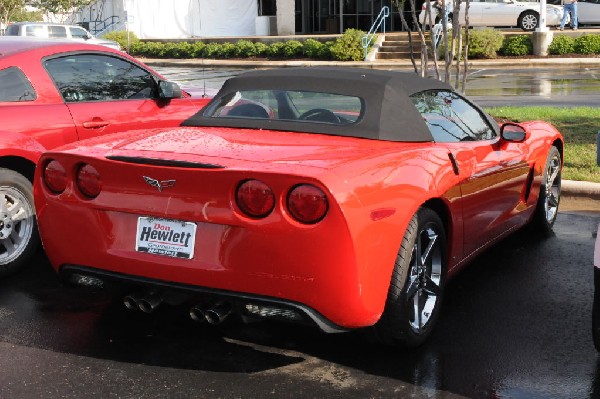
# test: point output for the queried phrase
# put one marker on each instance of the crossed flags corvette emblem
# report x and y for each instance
(159, 184)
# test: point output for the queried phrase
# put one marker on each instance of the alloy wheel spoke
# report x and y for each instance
(425, 255)
(431, 287)
(417, 311)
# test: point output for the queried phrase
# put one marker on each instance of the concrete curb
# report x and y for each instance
(572, 188)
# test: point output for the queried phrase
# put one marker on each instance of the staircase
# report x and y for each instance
(396, 46)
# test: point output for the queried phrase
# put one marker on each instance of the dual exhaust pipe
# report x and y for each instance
(213, 313)
(146, 303)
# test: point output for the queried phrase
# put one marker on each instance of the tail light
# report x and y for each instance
(88, 181)
(255, 198)
(307, 204)
(55, 177)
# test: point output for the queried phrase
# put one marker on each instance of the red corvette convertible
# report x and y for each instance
(55, 92)
(339, 197)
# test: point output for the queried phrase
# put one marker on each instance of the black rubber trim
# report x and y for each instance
(164, 162)
(323, 323)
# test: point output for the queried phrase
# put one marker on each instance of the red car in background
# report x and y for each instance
(340, 197)
(56, 92)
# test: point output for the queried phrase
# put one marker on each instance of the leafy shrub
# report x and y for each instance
(121, 38)
(518, 45)
(325, 51)
(275, 49)
(348, 47)
(292, 48)
(227, 50)
(312, 48)
(261, 49)
(245, 48)
(484, 43)
(562, 44)
(178, 50)
(587, 44)
(211, 50)
(148, 49)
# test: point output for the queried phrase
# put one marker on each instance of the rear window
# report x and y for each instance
(12, 30)
(57, 31)
(14, 86)
(291, 105)
(35, 30)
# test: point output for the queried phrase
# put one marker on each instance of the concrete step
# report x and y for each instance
(405, 55)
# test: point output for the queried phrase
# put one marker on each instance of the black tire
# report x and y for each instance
(19, 238)
(528, 21)
(415, 284)
(547, 206)
(596, 318)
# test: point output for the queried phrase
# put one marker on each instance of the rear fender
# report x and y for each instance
(15, 144)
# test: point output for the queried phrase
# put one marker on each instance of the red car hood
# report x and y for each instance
(199, 144)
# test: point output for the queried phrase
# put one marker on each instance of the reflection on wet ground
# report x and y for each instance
(488, 87)
(515, 324)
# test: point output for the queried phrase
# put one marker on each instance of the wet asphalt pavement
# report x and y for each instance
(515, 324)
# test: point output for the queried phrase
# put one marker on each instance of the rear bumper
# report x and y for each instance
(238, 301)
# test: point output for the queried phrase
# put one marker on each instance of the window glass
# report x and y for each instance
(292, 105)
(90, 77)
(451, 118)
(35, 30)
(57, 31)
(14, 86)
(78, 33)
(12, 30)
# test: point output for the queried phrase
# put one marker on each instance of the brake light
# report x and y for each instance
(88, 181)
(255, 198)
(307, 204)
(55, 177)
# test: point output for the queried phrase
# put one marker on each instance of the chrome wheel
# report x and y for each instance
(424, 279)
(17, 223)
(552, 188)
(529, 21)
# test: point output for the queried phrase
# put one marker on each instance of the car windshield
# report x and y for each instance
(293, 105)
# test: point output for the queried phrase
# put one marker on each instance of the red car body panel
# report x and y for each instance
(340, 266)
(30, 127)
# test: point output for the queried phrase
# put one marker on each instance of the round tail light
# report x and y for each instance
(255, 198)
(55, 177)
(307, 204)
(88, 181)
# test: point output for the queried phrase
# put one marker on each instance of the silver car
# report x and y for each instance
(501, 13)
(48, 30)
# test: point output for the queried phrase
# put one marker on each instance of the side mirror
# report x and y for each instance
(513, 132)
(168, 90)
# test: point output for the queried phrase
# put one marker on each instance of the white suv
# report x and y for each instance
(56, 31)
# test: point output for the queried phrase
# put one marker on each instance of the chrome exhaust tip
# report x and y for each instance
(197, 314)
(149, 303)
(131, 302)
(214, 315)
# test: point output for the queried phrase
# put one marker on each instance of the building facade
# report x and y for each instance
(175, 19)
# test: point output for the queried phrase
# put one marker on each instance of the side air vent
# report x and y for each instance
(165, 162)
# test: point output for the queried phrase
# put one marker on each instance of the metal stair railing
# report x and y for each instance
(379, 22)
(101, 26)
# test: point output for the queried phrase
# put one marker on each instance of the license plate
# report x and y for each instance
(165, 237)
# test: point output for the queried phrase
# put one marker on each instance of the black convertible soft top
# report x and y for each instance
(389, 113)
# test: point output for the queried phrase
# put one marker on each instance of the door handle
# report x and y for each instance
(95, 123)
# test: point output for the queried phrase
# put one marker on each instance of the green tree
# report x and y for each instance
(58, 7)
(8, 8)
